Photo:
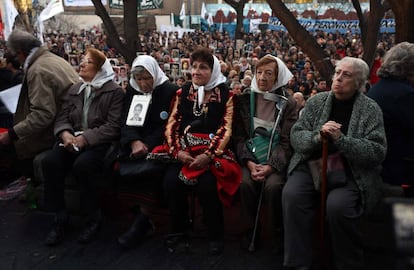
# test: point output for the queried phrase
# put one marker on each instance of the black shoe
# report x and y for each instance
(139, 230)
(247, 240)
(215, 247)
(56, 235)
(90, 232)
(178, 242)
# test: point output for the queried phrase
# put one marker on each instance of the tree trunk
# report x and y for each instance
(113, 37)
(239, 7)
(370, 28)
(302, 37)
(130, 30)
(239, 25)
(404, 19)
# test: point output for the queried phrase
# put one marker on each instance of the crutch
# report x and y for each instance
(281, 102)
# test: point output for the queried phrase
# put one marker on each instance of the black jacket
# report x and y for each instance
(396, 99)
(152, 133)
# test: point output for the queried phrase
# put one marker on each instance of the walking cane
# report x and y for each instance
(323, 190)
(252, 246)
(281, 102)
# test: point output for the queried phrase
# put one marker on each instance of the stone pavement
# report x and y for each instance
(21, 247)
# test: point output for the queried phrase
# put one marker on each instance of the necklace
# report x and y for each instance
(203, 107)
(198, 112)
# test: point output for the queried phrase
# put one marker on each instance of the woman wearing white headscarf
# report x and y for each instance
(256, 111)
(86, 126)
(197, 135)
(148, 82)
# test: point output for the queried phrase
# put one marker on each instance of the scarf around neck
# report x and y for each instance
(105, 74)
(216, 78)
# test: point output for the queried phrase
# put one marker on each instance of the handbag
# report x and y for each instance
(261, 138)
(335, 172)
(139, 167)
(259, 146)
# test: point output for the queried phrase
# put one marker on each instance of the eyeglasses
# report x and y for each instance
(87, 61)
(344, 74)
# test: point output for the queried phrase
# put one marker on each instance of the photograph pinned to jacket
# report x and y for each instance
(138, 110)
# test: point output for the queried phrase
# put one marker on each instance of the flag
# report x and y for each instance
(53, 8)
(175, 20)
(210, 19)
(10, 13)
(203, 13)
(1, 24)
(221, 27)
(182, 12)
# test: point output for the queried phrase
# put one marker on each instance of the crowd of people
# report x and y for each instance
(178, 127)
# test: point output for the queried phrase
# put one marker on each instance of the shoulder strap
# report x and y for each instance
(252, 108)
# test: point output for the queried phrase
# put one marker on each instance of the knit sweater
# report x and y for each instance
(364, 145)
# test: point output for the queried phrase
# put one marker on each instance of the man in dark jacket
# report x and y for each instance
(394, 93)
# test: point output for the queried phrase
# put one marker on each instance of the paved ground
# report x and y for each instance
(22, 233)
(21, 247)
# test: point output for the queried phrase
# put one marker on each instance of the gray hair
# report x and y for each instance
(360, 71)
(21, 41)
(398, 62)
(234, 83)
(137, 70)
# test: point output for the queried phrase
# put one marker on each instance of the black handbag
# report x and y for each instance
(139, 167)
(335, 173)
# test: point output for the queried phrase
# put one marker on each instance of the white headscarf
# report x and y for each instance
(283, 77)
(151, 65)
(216, 78)
(105, 74)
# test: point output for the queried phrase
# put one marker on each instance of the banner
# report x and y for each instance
(179, 30)
(332, 26)
(150, 4)
(82, 3)
(53, 8)
(142, 4)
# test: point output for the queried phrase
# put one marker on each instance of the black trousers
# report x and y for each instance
(176, 192)
(86, 166)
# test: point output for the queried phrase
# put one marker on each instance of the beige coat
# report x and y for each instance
(47, 78)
